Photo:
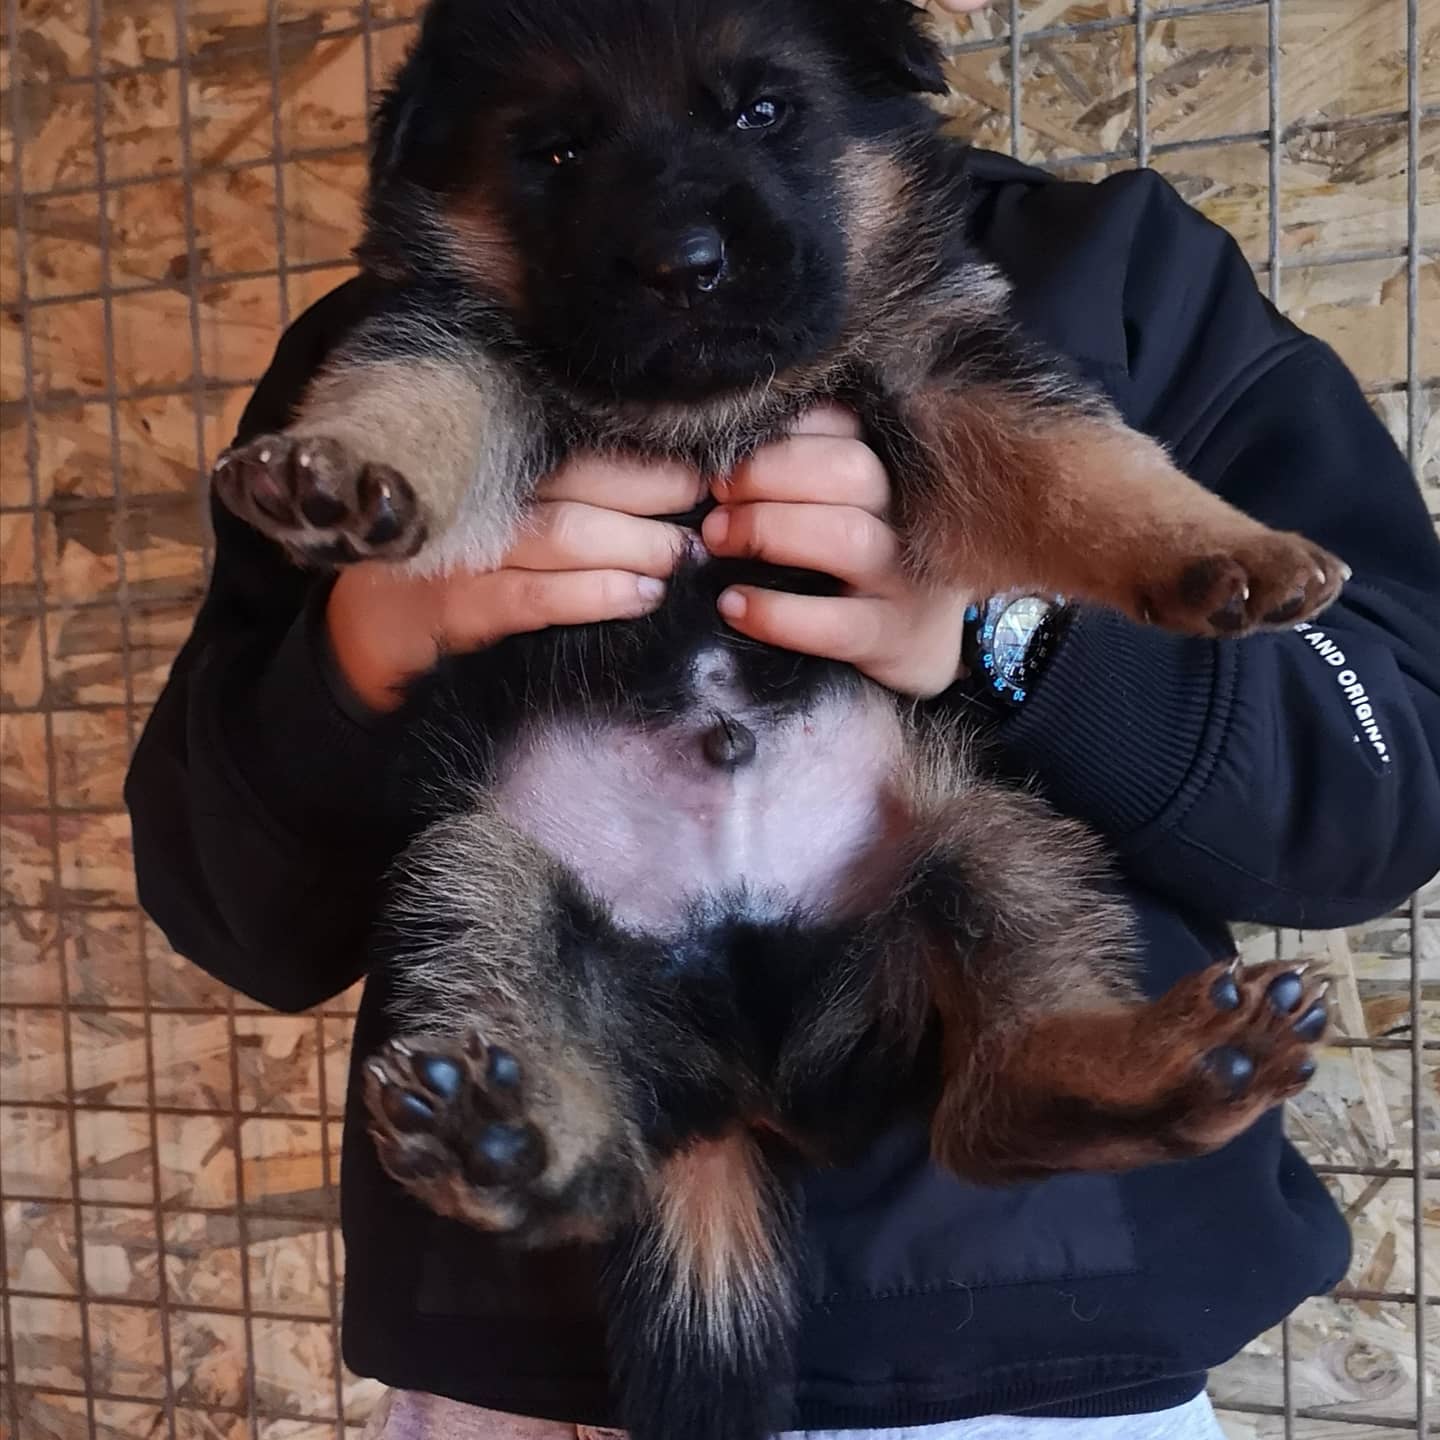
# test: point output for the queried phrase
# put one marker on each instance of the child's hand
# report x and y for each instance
(587, 554)
(817, 501)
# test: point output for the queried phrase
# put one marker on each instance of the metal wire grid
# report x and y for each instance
(201, 389)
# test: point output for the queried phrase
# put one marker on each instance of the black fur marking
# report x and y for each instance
(465, 711)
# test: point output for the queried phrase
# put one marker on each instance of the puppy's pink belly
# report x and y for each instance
(653, 826)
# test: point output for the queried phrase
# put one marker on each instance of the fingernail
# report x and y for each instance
(650, 588)
(731, 604)
(716, 528)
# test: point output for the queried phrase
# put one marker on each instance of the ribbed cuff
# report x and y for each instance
(313, 752)
(1119, 720)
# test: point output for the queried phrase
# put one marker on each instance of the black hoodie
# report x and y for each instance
(1291, 778)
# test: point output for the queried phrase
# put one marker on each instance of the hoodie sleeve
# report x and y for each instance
(1291, 778)
(255, 790)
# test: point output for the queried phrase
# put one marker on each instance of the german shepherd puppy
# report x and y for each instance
(706, 908)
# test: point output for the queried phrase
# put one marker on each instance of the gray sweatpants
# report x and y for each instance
(408, 1415)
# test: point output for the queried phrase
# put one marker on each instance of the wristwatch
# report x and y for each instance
(1008, 639)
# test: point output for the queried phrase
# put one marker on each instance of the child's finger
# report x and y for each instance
(851, 629)
(633, 487)
(570, 535)
(840, 540)
(484, 609)
(818, 468)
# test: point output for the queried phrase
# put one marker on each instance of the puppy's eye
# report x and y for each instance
(760, 115)
(551, 155)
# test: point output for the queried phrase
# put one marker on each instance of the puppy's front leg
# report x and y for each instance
(400, 451)
(1012, 489)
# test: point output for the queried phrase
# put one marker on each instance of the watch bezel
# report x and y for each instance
(1014, 681)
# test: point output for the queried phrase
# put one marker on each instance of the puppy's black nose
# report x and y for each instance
(682, 265)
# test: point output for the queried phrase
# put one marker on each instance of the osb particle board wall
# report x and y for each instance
(180, 179)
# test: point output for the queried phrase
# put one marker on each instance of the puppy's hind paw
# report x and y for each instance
(450, 1123)
(1249, 1035)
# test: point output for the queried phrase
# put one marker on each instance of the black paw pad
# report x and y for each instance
(1286, 611)
(1200, 580)
(379, 501)
(322, 510)
(407, 1111)
(1225, 993)
(1230, 617)
(1305, 1070)
(1232, 1068)
(422, 1163)
(1285, 992)
(1311, 1025)
(502, 1069)
(440, 1076)
(505, 1154)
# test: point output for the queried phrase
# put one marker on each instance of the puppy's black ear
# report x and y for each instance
(414, 121)
(891, 41)
(389, 130)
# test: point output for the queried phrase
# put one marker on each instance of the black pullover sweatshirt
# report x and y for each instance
(1291, 779)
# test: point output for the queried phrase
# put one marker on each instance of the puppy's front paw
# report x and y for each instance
(1266, 580)
(324, 504)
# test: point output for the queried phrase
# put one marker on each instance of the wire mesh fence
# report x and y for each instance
(180, 179)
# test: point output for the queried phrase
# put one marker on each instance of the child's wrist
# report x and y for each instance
(381, 636)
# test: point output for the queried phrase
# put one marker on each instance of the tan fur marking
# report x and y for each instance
(578, 1110)
(484, 248)
(874, 184)
(1083, 505)
(452, 428)
(1072, 1091)
(499, 886)
(1042, 877)
(710, 1219)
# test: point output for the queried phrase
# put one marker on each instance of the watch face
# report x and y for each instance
(1006, 639)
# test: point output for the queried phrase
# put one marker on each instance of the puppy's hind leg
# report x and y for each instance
(548, 1085)
(1051, 1060)
(410, 442)
(505, 1100)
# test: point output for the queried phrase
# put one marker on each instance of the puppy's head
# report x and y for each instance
(666, 195)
